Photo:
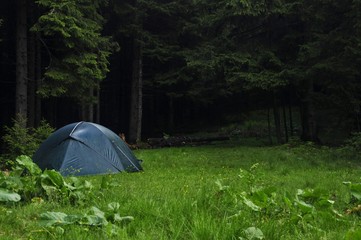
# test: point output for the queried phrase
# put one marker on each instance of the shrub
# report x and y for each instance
(354, 141)
(20, 140)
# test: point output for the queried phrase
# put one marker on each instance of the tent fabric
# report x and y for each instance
(85, 148)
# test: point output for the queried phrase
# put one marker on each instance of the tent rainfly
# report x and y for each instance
(85, 148)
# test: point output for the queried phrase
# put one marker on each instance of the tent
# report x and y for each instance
(85, 148)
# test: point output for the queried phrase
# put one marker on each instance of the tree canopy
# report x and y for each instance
(192, 61)
(78, 52)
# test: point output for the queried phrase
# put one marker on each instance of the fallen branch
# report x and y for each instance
(183, 140)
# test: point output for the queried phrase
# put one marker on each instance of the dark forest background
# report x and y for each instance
(154, 67)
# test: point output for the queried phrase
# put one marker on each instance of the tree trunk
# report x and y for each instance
(85, 112)
(97, 106)
(277, 119)
(290, 115)
(285, 121)
(269, 126)
(87, 108)
(290, 119)
(21, 61)
(34, 70)
(136, 98)
(31, 81)
(171, 113)
(38, 77)
(309, 126)
(31, 68)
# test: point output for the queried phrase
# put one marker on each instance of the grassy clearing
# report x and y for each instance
(197, 193)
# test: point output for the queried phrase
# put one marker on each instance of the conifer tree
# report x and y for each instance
(78, 53)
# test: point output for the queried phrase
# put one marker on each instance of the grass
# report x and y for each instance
(196, 193)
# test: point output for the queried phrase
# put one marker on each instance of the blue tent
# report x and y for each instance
(85, 148)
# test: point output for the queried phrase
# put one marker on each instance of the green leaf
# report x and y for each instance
(53, 183)
(111, 230)
(93, 220)
(260, 197)
(52, 178)
(250, 204)
(253, 233)
(304, 207)
(355, 189)
(325, 203)
(48, 219)
(59, 230)
(221, 187)
(287, 202)
(114, 206)
(12, 183)
(356, 195)
(125, 219)
(27, 163)
(96, 211)
(6, 196)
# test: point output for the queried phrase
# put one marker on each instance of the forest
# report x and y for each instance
(153, 67)
(280, 80)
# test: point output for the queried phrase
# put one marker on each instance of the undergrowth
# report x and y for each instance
(208, 192)
(20, 140)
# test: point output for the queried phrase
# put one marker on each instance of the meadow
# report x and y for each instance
(218, 191)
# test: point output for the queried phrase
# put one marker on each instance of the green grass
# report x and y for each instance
(177, 197)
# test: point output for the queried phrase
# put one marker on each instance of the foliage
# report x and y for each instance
(18, 139)
(215, 57)
(79, 55)
(26, 182)
(253, 233)
(212, 50)
(325, 36)
(354, 141)
(355, 190)
(221, 191)
(21, 140)
(304, 209)
(6, 196)
(94, 217)
(205, 51)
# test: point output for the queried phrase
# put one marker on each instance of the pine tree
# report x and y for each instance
(78, 53)
(325, 67)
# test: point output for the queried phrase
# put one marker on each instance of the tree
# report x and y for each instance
(138, 23)
(186, 58)
(78, 53)
(209, 50)
(238, 50)
(21, 60)
(136, 86)
(34, 69)
(136, 99)
(325, 67)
